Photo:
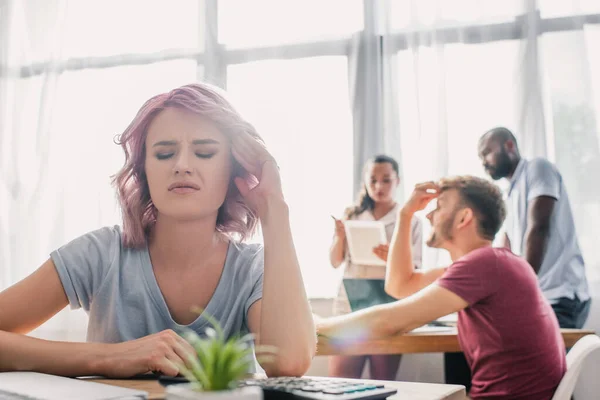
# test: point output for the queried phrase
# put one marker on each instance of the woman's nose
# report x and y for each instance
(182, 164)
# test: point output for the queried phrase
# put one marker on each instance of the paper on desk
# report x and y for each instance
(449, 319)
(35, 386)
(431, 329)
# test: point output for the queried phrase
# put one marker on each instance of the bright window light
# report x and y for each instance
(301, 108)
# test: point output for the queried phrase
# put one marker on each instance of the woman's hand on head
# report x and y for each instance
(264, 182)
(163, 352)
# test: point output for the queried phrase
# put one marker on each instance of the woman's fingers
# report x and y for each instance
(251, 153)
(167, 365)
(184, 349)
(244, 159)
(185, 355)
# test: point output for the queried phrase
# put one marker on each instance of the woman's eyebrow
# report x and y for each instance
(173, 142)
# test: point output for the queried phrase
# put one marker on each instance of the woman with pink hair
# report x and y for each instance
(196, 181)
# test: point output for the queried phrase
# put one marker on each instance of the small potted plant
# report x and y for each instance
(218, 366)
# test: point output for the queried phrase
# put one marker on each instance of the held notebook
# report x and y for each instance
(362, 237)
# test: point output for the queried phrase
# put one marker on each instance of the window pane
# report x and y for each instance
(574, 90)
(109, 27)
(562, 8)
(306, 124)
(33, 31)
(447, 99)
(426, 13)
(255, 23)
(592, 36)
(465, 89)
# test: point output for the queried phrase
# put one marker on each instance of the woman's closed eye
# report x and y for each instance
(205, 155)
(164, 156)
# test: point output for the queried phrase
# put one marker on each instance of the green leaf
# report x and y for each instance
(219, 362)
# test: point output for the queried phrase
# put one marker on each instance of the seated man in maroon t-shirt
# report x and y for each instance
(506, 328)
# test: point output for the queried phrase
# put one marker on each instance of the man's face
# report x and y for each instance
(442, 219)
(494, 157)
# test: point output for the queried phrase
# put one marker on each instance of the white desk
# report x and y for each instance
(406, 390)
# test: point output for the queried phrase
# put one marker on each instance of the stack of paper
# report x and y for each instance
(35, 386)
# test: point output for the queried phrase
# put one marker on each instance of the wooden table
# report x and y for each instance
(433, 342)
(406, 390)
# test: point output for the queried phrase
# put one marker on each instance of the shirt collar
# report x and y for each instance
(517, 174)
(388, 218)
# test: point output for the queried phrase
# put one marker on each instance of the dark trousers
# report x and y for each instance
(571, 313)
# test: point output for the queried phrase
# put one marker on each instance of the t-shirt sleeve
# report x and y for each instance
(543, 179)
(417, 242)
(472, 278)
(82, 264)
(257, 268)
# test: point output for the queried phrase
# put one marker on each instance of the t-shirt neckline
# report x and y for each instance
(159, 300)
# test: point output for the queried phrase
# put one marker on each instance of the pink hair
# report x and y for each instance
(139, 213)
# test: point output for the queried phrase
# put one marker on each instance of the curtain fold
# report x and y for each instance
(531, 130)
(372, 86)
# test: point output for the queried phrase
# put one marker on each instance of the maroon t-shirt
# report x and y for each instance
(509, 333)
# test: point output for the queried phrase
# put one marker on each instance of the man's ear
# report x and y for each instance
(509, 145)
(465, 217)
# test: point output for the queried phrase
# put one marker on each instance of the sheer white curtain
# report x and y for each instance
(465, 66)
(68, 85)
(73, 74)
(328, 84)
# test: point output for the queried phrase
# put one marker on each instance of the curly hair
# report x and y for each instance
(483, 197)
(138, 210)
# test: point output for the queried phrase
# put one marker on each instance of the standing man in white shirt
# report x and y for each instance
(540, 225)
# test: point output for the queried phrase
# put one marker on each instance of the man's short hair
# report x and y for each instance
(500, 134)
(483, 197)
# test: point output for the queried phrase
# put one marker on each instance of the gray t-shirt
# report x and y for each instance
(116, 286)
(562, 273)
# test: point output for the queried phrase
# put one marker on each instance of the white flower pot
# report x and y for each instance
(184, 392)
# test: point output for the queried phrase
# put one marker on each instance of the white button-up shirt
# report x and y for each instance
(562, 273)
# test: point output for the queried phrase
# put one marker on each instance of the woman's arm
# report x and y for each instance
(24, 307)
(338, 247)
(34, 300)
(283, 318)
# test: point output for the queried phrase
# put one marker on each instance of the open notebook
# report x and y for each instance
(35, 386)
